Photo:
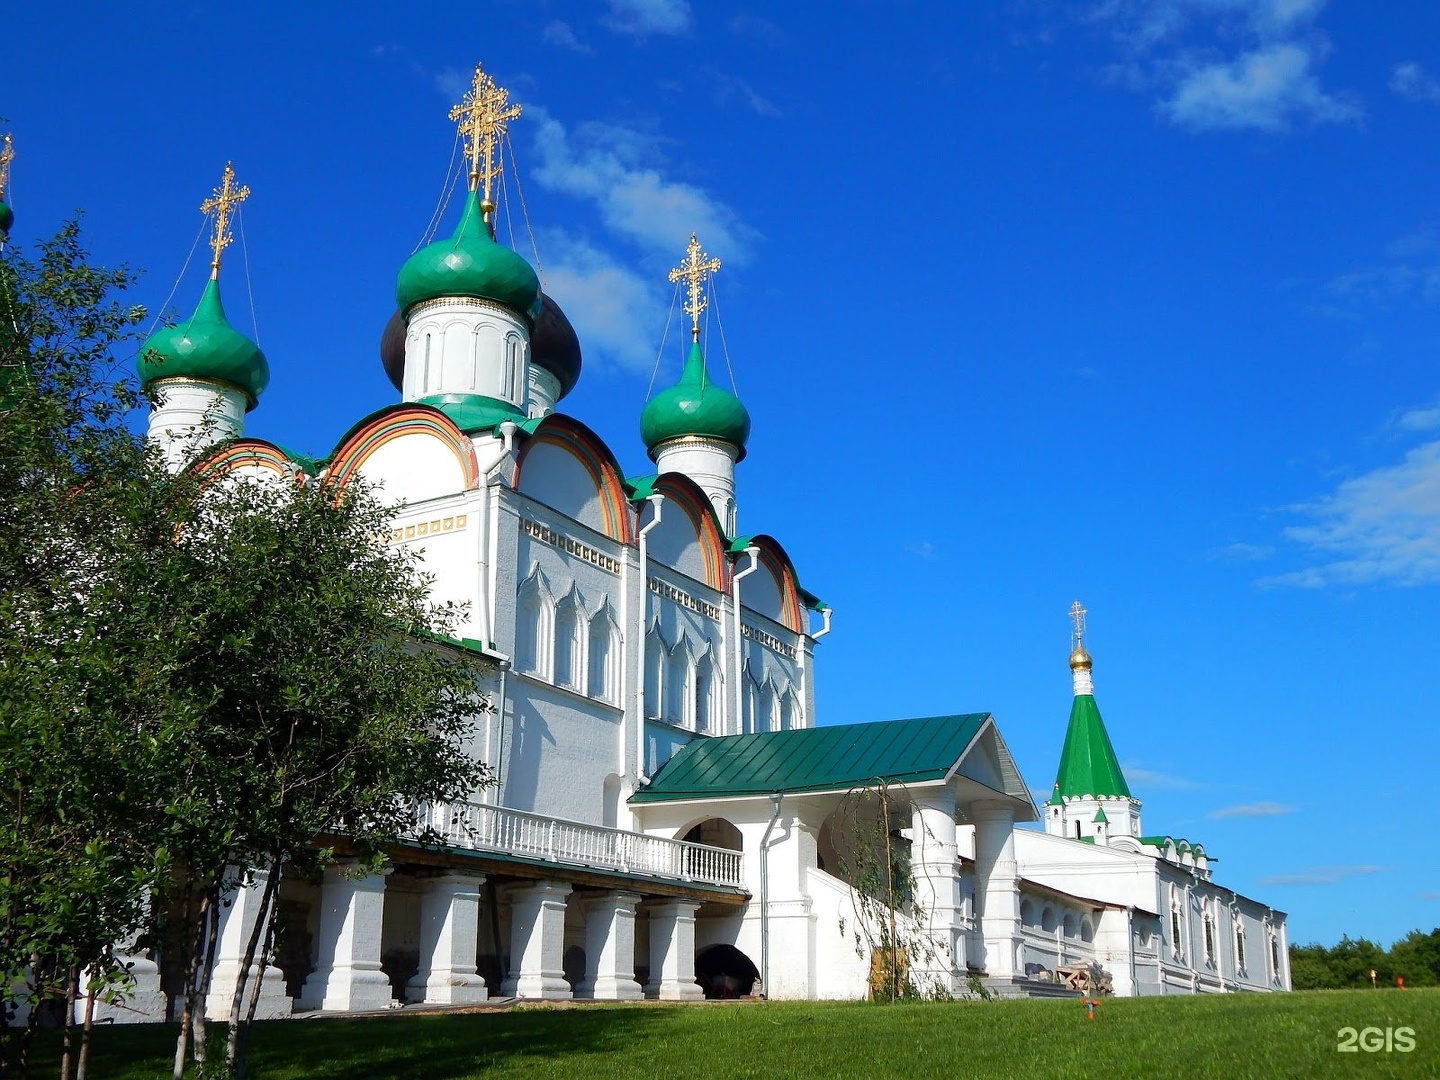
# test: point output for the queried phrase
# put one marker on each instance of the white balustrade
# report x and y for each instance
(474, 826)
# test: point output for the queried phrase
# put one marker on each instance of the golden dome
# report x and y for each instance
(1079, 659)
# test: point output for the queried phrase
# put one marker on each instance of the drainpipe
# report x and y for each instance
(776, 798)
(507, 435)
(824, 629)
(754, 554)
(656, 502)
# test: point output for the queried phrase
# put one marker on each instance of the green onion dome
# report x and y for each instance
(205, 346)
(694, 406)
(470, 263)
(554, 345)
(7, 218)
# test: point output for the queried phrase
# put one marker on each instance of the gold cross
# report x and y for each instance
(1077, 616)
(226, 197)
(7, 155)
(482, 115)
(694, 271)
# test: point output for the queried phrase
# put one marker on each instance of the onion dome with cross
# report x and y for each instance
(470, 263)
(205, 346)
(695, 407)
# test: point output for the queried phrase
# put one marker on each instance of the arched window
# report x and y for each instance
(604, 657)
(765, 721)
(749, 695)
(1068, 926)
(568, 663)
(533, 617)
(654, 664)
(677, 685)
(789, 709)
(1239, 945)
(704, 691)
(1175, 942)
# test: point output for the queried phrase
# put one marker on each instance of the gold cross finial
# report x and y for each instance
(694, 271)
(1077, 616)
(482, 115)
(227, 196)
(7, 155)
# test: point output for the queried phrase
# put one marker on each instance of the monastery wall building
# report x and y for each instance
(670, 820)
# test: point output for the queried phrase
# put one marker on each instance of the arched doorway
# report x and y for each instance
(723, 971)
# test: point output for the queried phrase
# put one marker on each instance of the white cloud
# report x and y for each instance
(1242, 552)
(1140, 776)
(924, 549)
(617, 314)
(1379, 528)
(452, 83)
(1413, 82)
(561, 34)
(642, 18)
(1267, 89)
(610, 167)
(1425, 418)
(1259, 809)
(1321, 875)
(1225, 64)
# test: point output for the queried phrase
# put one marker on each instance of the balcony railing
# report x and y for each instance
(479, 827)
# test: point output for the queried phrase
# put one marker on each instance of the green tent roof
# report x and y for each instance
(815, 759)
(1087, 764)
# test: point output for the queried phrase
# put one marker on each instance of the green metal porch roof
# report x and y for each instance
(815, 759)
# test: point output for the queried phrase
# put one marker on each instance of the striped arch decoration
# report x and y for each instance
(775, 559)
(568, 434)
(397, 421)
(680, 491)
(248, 453)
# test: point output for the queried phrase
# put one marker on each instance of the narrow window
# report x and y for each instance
(654, 661)
(600, 679)
(567, 645)
(704, 685)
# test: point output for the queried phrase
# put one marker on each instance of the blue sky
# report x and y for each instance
(1136, 303)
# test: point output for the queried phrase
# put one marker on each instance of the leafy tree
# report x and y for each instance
(198, 674)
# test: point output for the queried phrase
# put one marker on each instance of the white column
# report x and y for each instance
(672, 952)
(142, 1002)
(449, 941)
(997, 887)
(610, 948)
(347, 974)
(937, 883)
(537, 941)
(237, 923)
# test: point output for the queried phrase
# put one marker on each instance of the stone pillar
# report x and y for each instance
(449, 940)
(997, 887)
(347, 974)
(610, 948)
(537, 941)
(237, 923)
(937, 885)
(143, 1002)
(672, 952)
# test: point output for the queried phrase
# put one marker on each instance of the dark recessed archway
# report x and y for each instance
(723, 971)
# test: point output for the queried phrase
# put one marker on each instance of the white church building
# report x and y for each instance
(670, 817)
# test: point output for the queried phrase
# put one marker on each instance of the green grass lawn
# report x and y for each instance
(1242, 1035)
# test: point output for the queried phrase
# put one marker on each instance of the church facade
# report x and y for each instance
(670, 818)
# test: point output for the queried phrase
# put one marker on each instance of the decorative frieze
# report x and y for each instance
(770, 641)
(420, 529)
(547, 535)
(684, 599)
